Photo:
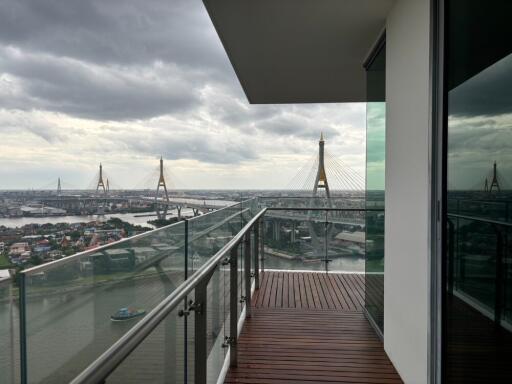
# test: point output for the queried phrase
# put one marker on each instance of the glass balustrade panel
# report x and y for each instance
(76, 309)
(160, 358)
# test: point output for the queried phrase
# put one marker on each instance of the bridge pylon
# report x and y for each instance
(161, 213)
(59, 188)
(320, 234)
(495, 185)
(100, 183)
(321, 175)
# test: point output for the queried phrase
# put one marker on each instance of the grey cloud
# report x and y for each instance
(181, 142)
(113, 59)
(486, 94)
(206, 149)
(131, 59)
(287, 124)
(78, 89)
(279, 120)
(475, 137)
(114, 31)
(14, 123)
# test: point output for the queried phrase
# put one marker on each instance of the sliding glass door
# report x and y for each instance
(477, 257)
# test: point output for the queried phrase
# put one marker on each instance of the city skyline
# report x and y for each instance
(151, 81)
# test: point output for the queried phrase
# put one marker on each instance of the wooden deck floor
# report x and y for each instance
(310, 328)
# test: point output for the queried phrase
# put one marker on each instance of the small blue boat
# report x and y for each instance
(125, 314)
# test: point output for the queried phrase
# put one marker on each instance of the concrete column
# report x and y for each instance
(407, 227)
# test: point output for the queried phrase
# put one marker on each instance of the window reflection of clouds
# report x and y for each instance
(480, 128)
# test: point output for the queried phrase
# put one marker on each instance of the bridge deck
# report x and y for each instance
(310, 328)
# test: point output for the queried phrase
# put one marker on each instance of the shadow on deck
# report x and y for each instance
(310, 328)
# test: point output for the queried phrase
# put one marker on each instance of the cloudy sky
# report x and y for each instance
(480, 128)
(124, 81)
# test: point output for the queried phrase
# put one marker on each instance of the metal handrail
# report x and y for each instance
(105, 364)
(326, 209)
(301, 197)
(480, 219)
(68, 259)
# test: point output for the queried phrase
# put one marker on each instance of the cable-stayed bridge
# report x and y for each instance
(323, 177)
(326, 173)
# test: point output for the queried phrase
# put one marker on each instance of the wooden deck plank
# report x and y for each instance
(302, 288)
(296, 291)
(325, 297)
(347, 291)
(279, 292)
(268, 292)
(336, 295)
(330, 296)
(308, 291)
(359, 294)
(317, 297)
(337, 292)
(258, 300)
(285, 302)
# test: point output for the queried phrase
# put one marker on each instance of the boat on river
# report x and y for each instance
(129, 313)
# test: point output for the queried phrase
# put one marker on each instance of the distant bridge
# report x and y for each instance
(77, 202)
(196, 205)
(334, 217)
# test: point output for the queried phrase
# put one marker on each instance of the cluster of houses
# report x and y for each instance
(44, 246)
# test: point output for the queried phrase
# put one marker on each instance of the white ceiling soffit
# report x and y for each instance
(299, 51)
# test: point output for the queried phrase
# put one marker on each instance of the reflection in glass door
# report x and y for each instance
(477, 317)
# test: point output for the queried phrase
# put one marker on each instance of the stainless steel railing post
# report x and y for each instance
(200, 331)
(233, 307)
(256, 256)
(247, 273)
(215, 301)
(262, 244)
(23, 328)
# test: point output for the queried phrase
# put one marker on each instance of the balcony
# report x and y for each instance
(266, 290)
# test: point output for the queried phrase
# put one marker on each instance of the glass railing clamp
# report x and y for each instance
(228, 341)
(226, 261)
(193, 306)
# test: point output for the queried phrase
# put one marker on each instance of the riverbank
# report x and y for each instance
(18, 222)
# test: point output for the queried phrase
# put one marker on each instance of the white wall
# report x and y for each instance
(407, 189)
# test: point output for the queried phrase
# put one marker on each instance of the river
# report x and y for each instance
(132, 218)
(67, 331)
